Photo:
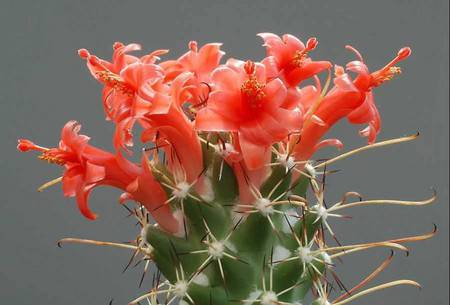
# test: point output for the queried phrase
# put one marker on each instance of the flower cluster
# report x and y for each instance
(246, 109)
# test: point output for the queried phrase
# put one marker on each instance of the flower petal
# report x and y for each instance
(94, 173)
(225, 78)
(82, 196)
(276, 94)
(254, 155)
(307, 70)
(209, 120)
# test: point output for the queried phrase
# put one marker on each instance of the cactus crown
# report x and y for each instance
(229, 198)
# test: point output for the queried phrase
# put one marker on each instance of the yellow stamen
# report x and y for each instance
(253, 90)
(115, 81)
(382, 76)
(300, 57)
(47, 156)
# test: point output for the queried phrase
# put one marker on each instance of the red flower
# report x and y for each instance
(164, 118)
(87, 167)
(349, 98)
(256, 104)
(246, 102)
(291, 57)
(200, 62)
(127, 81)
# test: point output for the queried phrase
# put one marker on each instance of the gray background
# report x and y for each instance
(44, 84)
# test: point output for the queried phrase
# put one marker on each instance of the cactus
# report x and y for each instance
(229, 198)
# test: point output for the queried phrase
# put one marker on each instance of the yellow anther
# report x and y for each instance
(115, 81)
(46, 156)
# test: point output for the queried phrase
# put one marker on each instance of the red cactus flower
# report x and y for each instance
(349, 98)
(87, 167)
(164, 117)
(200, 62)
(127, 81)
(291, 57)
(256, 104)
(245, 101)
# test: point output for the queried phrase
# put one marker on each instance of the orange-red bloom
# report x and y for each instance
(127, 80)
(349, 98)
(200, 62)
(178, 104)
(244, 101)
(87, 167)
(291, 57)
(175, 131)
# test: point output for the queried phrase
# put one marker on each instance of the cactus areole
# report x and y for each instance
(227, 193)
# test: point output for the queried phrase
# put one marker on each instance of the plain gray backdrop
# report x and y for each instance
(43, 84)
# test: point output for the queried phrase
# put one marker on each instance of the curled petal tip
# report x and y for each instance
(125, 197)
(193, 45)
(117, 45)
(91, 216)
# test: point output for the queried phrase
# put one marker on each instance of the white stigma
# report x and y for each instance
(269, 298)
(263, 205)
(180, 289)
(304, 253)
(216, 249)
(181, 190)
(321, 211)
